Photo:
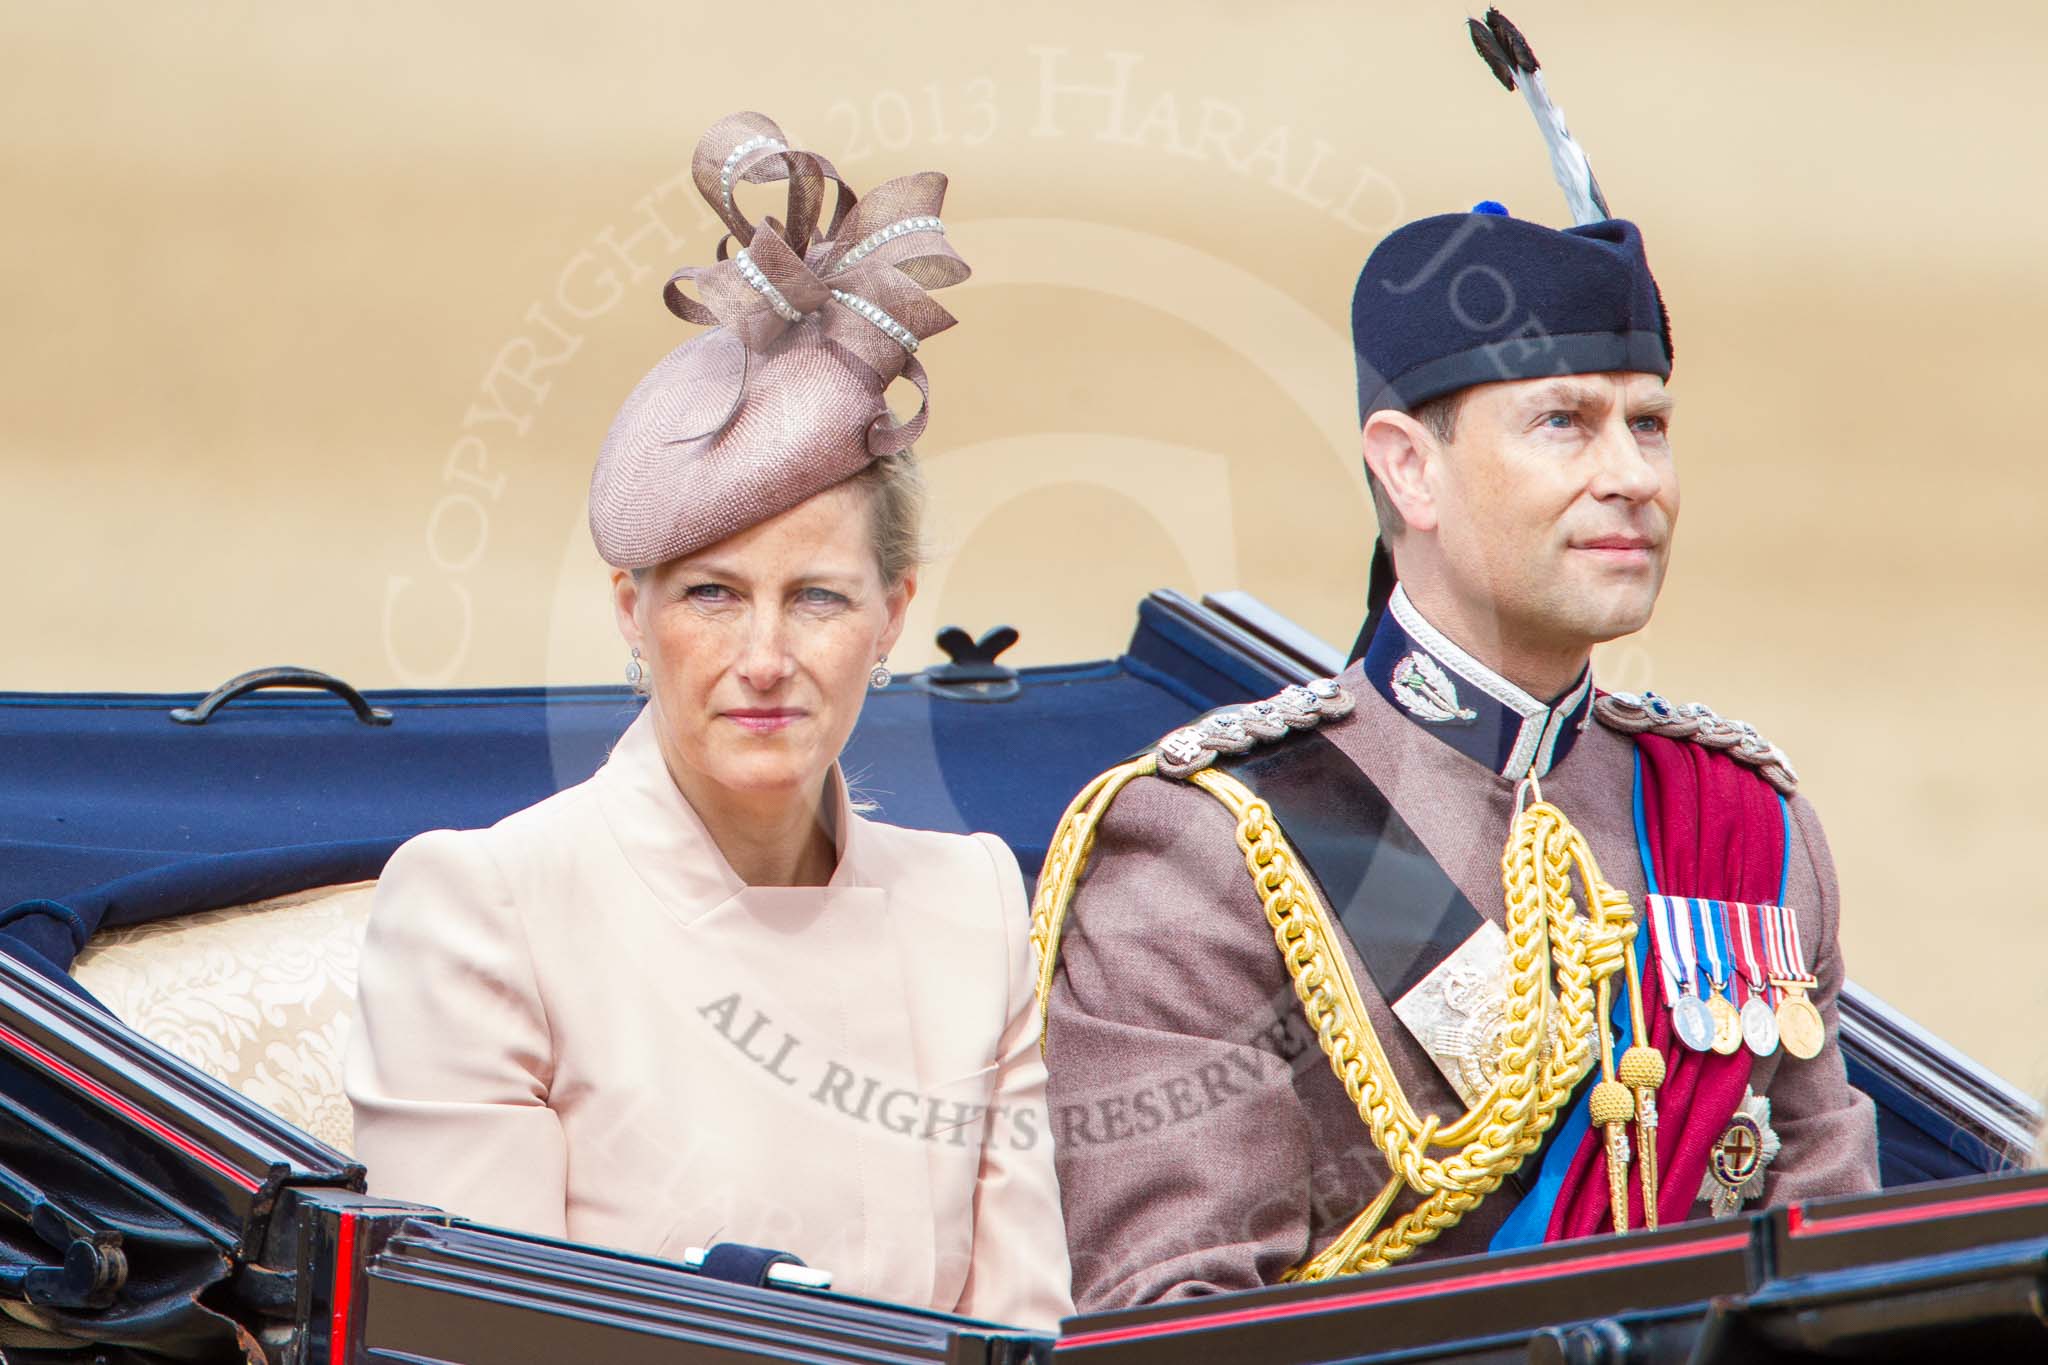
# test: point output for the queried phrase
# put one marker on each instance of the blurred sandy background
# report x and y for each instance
(314, 317)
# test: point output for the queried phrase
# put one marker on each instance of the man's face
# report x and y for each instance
(1557, 503)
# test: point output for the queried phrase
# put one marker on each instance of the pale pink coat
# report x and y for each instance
(581, 1023)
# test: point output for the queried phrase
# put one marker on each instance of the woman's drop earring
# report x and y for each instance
(880, 677)
(636, 673)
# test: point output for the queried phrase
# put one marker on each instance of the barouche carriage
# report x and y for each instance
(187, 881)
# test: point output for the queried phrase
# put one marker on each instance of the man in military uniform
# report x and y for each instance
(1304, 1016)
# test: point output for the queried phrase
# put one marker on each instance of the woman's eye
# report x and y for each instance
(821, 597)
(708, 592)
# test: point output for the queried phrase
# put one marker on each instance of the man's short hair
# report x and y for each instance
(1439, 417)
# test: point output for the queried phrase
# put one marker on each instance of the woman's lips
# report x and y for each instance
(765, 720)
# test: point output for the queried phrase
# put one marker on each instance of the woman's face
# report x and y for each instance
(758, 648)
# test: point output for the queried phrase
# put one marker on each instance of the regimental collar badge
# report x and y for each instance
(1421, 685)
(1466, 704)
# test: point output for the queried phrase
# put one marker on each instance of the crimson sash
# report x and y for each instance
(1714, 829)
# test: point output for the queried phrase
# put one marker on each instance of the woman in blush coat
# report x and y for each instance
(700, 997)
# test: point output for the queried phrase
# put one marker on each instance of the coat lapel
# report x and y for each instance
(660, 835)
(831, 966)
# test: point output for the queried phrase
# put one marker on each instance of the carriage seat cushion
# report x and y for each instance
(259, 996)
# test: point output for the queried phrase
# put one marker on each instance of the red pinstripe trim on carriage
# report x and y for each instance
(1484, 1279)
(1797, 1226)
(127, 1110)
(344, 1290)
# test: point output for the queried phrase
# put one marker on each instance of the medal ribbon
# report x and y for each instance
(1668, 961)
(1688, 946)
(1774, 956)
(1706, 917)
(1795, 957)
(1724, 941)
(1755, 978)
(1781, 946)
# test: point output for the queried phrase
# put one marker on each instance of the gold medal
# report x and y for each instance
(1727, 1025)
(1799, 1026)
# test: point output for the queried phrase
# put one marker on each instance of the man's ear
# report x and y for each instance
(1398, 451)
(625, 604)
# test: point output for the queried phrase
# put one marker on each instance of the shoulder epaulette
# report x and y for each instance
(1183, 754)
(1239, 729)
(1634, 714)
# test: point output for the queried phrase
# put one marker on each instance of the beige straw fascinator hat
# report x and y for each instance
(811, 319)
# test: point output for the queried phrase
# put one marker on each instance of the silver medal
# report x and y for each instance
(1759, 1026)
(1694, 1022)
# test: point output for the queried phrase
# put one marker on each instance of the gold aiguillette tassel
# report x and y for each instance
(1610, 1107)
(1642, 1070)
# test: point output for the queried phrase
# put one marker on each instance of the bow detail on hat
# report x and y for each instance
(861, 280)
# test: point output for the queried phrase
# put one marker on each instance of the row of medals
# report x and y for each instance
(1714, 1024)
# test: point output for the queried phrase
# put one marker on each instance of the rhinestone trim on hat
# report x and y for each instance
(732, 162)
(751, 273)
(896, 331)
(921, 223)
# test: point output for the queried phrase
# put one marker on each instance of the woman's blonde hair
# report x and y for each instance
(896, 497)
(895, 488)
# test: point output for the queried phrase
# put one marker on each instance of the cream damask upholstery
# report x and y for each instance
(260, 996)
